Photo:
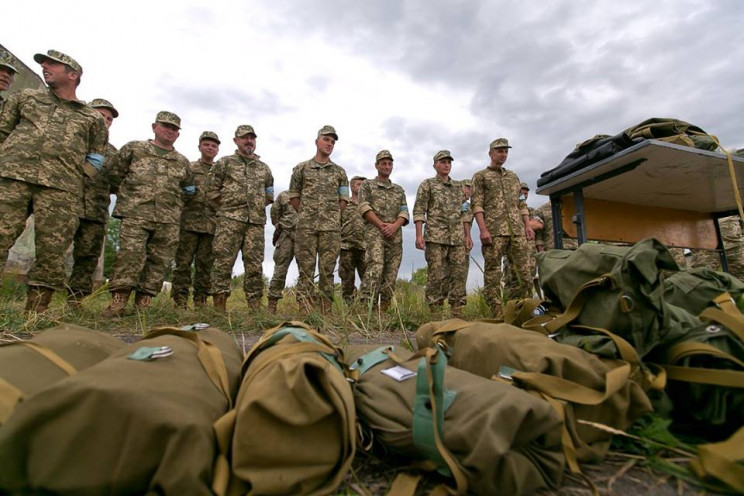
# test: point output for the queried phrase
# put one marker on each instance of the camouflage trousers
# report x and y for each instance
(146, 249)
(350, 263)
(705, 258)
(513, 285)
(446, 276)
(711, 259)
(321, 247)
(383, 257)
(518, 251)
(230, 237)
(283, 256)
(55, 220)
(88, 242)
(193, 248)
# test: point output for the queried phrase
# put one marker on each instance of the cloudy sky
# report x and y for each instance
(412, 76)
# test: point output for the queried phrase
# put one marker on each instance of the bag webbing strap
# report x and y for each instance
(49, 355)
(10, 396)
(726, 314)
(722, 461)
(716, 377)
(365, 362)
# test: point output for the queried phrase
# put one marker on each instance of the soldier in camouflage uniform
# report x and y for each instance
(197, 232)
(7, 76)
(351, 259)
(91, 231)
(441, 204)
(284, 218)
(511, 281)
(150, 179)
(733, 244)
(503, 221)
(243, 186)
(383, 206)
(544, 240)
(48, 141)
(319, 191)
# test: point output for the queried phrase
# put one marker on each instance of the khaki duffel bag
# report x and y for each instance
(139, 422)
(584, 386)
(490, 437)
(293, 427)
(28, 366)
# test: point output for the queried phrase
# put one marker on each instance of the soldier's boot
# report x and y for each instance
(38, 299)
(200, 301)
(142, 301)
(75, 297)
(220, 302)
(119, 301)
(182, 300)
(457, 312)
(254, 304)
(272, 305)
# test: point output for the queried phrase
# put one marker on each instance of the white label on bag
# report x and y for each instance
(399, 373)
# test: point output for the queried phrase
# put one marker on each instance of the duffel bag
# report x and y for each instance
(695, 289)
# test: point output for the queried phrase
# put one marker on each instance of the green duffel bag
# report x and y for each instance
(139, 422)
(30, 365)
(581, 385)
(695, 289)
(489, 437)
(293, 428)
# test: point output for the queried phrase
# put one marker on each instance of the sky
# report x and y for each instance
(411, 76)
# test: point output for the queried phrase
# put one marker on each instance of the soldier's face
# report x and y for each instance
(108, 116)
(56, 73)
(443, 166)
(467, 192)
(355, 185)
(325, 144)
(209, 149)
(6, 78)
(499, 155)
(384, 167)
(525, 193)
(246, 144)
(165, 134)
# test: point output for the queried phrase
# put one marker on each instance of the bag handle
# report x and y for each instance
(726, 314)
(722, 461)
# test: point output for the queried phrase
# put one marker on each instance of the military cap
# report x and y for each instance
(5, 61)
(210, 135)
(327, 131)
(244, 129)
(499, 143)
(61, 58)
(101, 103)
(383, 154)
(524, 186)
(355, 178)
(165, 117)
(443, 154)
(466, 182)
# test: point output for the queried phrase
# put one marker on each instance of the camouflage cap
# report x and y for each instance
(383, 154)
(443, 154)
(61, 58)
(165, 117)
(210, 135)
(499, 143)
(5, 61)
(328, 131)
(466, 182)
(524, 186)
(244, 129)
(101, 103)
(357, 178)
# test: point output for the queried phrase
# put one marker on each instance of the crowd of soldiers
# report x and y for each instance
(56, 162)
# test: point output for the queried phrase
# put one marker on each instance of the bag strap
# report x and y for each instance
(50, 355)
(722, 461)
(726, 314)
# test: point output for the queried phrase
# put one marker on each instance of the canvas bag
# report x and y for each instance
(126, 425)
(30, 365)
(489, 437)
(695, 289)
(293, 427)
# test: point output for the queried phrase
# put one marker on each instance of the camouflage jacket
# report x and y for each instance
(442, 205)
(198, 213)
(320, 188)
(243, 186)
(352, 227)
(283, 213)
(731, 231)
(544, 237)
(44, 139)
(96, 192)
(495, 193)
(148, 182)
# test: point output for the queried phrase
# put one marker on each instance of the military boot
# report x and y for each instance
(200, 301)
(38, 299)
(220, 301)
(118, 303)
(272, 305)
(181, 300)
(142, 301)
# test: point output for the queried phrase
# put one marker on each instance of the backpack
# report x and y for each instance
(695, 289)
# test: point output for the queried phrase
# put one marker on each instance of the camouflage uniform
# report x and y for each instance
(443, 207)
(511, 281)
(544, 238)
(149, 183)
(496, 194)
(195, 240)
(383, 255)
(352, 255)
(284, 217)
(44, 145)
(244, 186)
(320, 188)
(733, 244)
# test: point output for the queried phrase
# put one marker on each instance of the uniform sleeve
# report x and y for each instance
(98, 136)
(422, 201)
(343, 185)
(403, 208)
(269, 186)
(214, 180)
(118, 168)
(295, 183)
(188, 178)
(364, 195)
(275, 210)
(476, 194)
(10, 116)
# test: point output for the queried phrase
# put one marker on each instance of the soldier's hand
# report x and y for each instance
(388, 230)
(485, 238)
(420, 243)
(529, 233)
(469, 243)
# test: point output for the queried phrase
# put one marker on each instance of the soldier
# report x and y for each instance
(48, 140)
(91, 231)
(7, 76)
(503, 221)
(197, 232)
(284, 219)
(352, 255)
(511, 281)
(441, 204)
(150, 179)
(544, 238)
(383, 206)
(243, 186)
(319, 191)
